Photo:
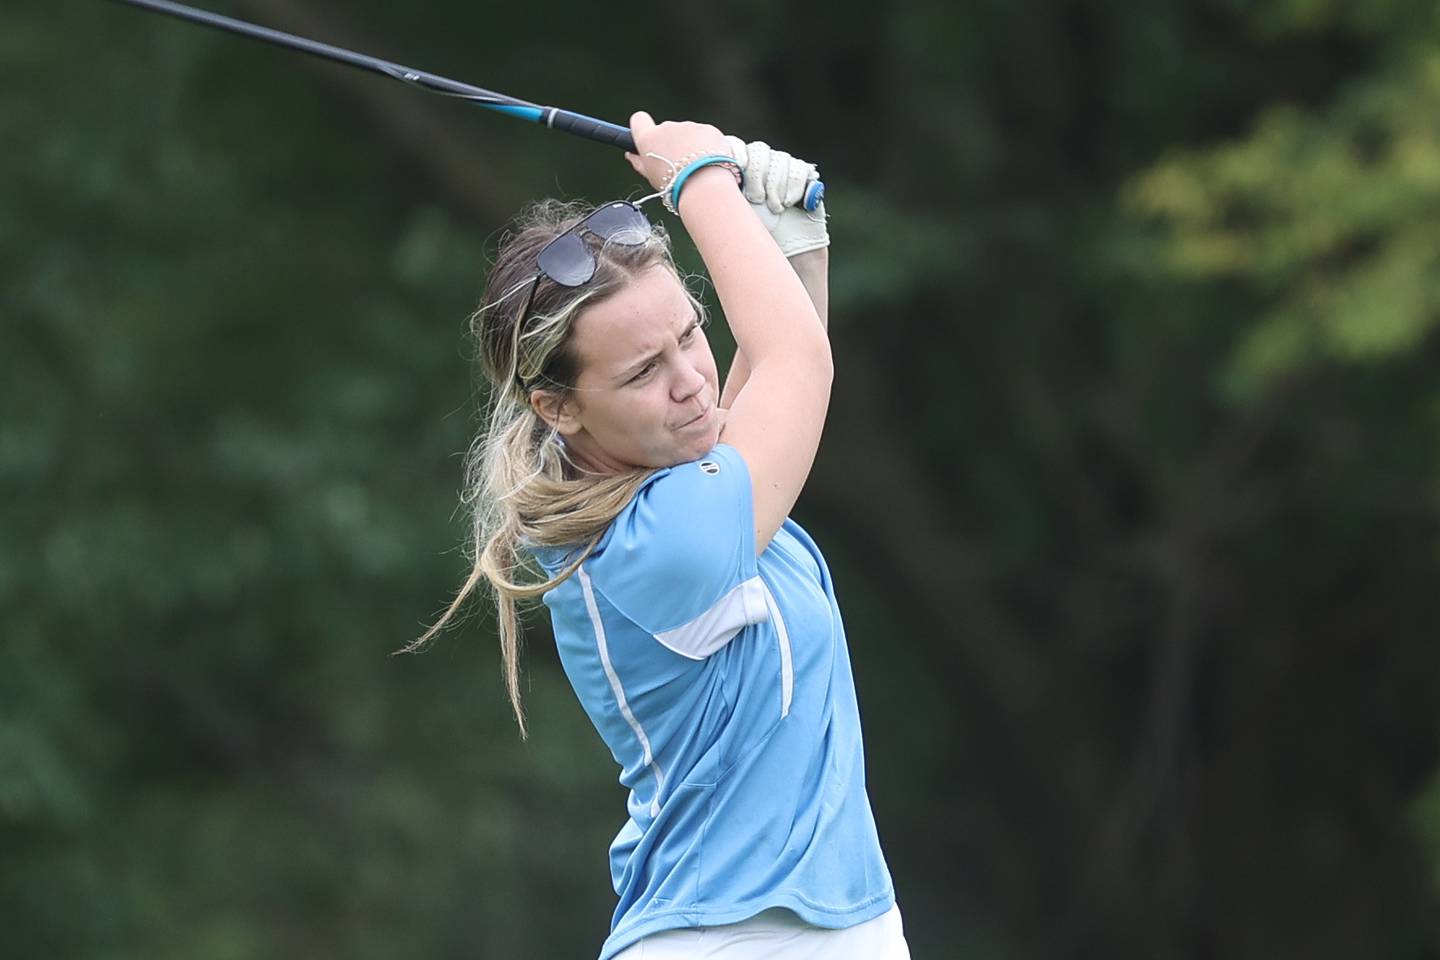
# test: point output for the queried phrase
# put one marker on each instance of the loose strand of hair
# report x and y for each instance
(522, 489)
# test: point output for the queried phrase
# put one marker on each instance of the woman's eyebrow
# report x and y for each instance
(692, 320)
(636, 365)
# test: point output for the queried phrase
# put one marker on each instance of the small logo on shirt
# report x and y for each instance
(709, 467)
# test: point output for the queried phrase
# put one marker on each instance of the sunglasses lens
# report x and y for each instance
(567, 261)
(619, 222)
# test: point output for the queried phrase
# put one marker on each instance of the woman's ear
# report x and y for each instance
(557, 409)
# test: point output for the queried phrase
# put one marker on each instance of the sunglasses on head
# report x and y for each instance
(571, 262)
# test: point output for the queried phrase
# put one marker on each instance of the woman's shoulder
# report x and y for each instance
(673, 505)
(686, 503)
(686, 538)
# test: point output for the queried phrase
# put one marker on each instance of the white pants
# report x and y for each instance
(777, 935)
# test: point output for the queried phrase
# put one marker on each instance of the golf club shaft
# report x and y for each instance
(553, 117)
(567, 120)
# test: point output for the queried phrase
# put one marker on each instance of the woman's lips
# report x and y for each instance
(698, 418)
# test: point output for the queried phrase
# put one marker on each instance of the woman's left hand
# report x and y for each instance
(663, 148)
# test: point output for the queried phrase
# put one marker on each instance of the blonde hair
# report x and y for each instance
(521, 488)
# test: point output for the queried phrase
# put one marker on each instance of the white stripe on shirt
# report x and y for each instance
(618, 690)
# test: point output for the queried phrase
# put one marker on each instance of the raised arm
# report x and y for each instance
(776, 418)
(813, 269)
(776, 183)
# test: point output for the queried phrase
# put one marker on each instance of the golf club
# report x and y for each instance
(553, 117)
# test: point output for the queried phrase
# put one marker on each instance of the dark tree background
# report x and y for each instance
(1130, 486)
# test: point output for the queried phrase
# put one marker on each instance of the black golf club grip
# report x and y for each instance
(592, 129)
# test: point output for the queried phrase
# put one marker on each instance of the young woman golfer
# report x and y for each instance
(696, 622)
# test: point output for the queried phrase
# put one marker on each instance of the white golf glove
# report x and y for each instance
(775, 185)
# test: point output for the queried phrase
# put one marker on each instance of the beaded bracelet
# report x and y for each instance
(670, 190)
(673, 168)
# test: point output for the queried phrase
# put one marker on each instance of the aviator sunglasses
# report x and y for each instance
(569, 261)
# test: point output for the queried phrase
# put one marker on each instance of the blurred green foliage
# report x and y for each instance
(1130, 486)
(1335, 215)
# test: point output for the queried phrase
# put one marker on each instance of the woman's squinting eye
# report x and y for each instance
(649, 368)
(645, 371)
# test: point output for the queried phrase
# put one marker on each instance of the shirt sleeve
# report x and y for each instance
(680, 562)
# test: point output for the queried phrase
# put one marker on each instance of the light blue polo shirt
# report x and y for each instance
(721, 683)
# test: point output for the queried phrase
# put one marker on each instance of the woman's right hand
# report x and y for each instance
(775, 184)
(674, 141)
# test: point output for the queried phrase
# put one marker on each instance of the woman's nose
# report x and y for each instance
(689, 382)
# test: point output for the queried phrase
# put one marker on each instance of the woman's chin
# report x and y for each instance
(707, 440)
